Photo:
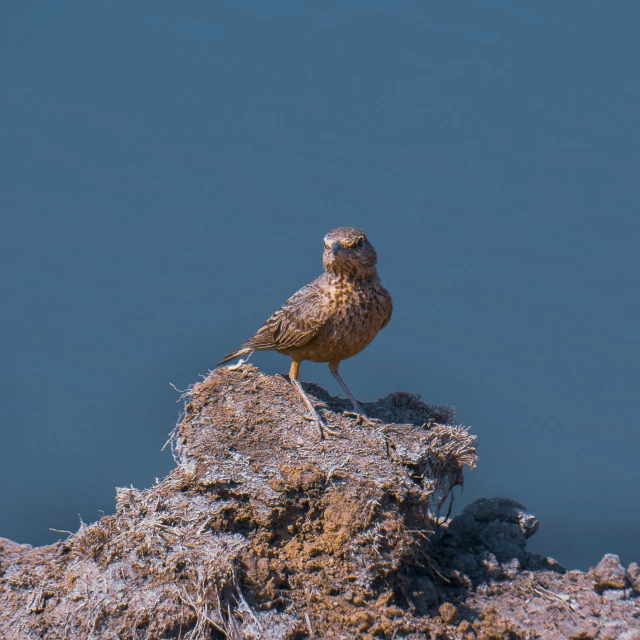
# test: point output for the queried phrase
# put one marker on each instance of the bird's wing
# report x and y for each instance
(295, 323)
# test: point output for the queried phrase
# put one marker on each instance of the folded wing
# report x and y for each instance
(293, 325)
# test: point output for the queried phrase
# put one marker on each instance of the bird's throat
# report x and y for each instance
(352, 276)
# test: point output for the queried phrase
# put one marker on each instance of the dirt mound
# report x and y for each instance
(494, 588)
(264, 531)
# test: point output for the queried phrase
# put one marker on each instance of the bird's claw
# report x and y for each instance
(322, 426)
(361, 418)
(331, 430)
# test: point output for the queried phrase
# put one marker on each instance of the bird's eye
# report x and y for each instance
(360, 242)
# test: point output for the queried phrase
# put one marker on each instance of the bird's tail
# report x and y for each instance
(241, 351)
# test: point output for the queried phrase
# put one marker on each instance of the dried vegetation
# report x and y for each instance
(264, 531)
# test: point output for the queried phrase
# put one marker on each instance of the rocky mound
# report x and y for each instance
(265, 531)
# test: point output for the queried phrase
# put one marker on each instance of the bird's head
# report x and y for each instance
(348, 252)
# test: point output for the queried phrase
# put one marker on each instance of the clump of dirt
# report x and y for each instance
(265, 531)
(499, 590)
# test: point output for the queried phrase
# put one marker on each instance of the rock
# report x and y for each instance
(466, 563)
(512, 568)
(505, 510)
(425, 595)
(505, 540)
(488, 535)
(551, 563)
(609, 573)
(633, 571)
(492, 566)
(448, 612)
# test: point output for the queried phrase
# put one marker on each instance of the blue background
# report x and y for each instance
(168, 171)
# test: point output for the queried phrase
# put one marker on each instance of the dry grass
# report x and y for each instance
(261, 531)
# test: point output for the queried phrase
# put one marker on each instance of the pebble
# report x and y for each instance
(448, 612)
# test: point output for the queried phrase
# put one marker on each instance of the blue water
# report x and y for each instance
(168, 171)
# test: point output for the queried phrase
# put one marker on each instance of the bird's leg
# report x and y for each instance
(294, 374)
(357, 408)
(333, 367)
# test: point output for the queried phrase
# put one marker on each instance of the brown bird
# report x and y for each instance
(330, 319)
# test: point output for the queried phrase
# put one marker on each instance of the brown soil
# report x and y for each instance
(265, 531)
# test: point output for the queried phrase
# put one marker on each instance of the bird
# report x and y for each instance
(330, 319)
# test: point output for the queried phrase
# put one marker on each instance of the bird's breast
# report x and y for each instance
(357, 314)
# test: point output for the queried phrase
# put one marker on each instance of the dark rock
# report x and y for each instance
(466, 563)
(487, 535)
(505, 540)
(464, 523)
(551, 563)
(425, 596)
(506, 510)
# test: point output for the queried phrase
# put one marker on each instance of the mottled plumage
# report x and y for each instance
(332, 318)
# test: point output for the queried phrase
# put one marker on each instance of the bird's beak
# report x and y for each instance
(335, 247)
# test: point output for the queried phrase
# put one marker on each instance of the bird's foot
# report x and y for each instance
(322, 427)
(361, 418)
